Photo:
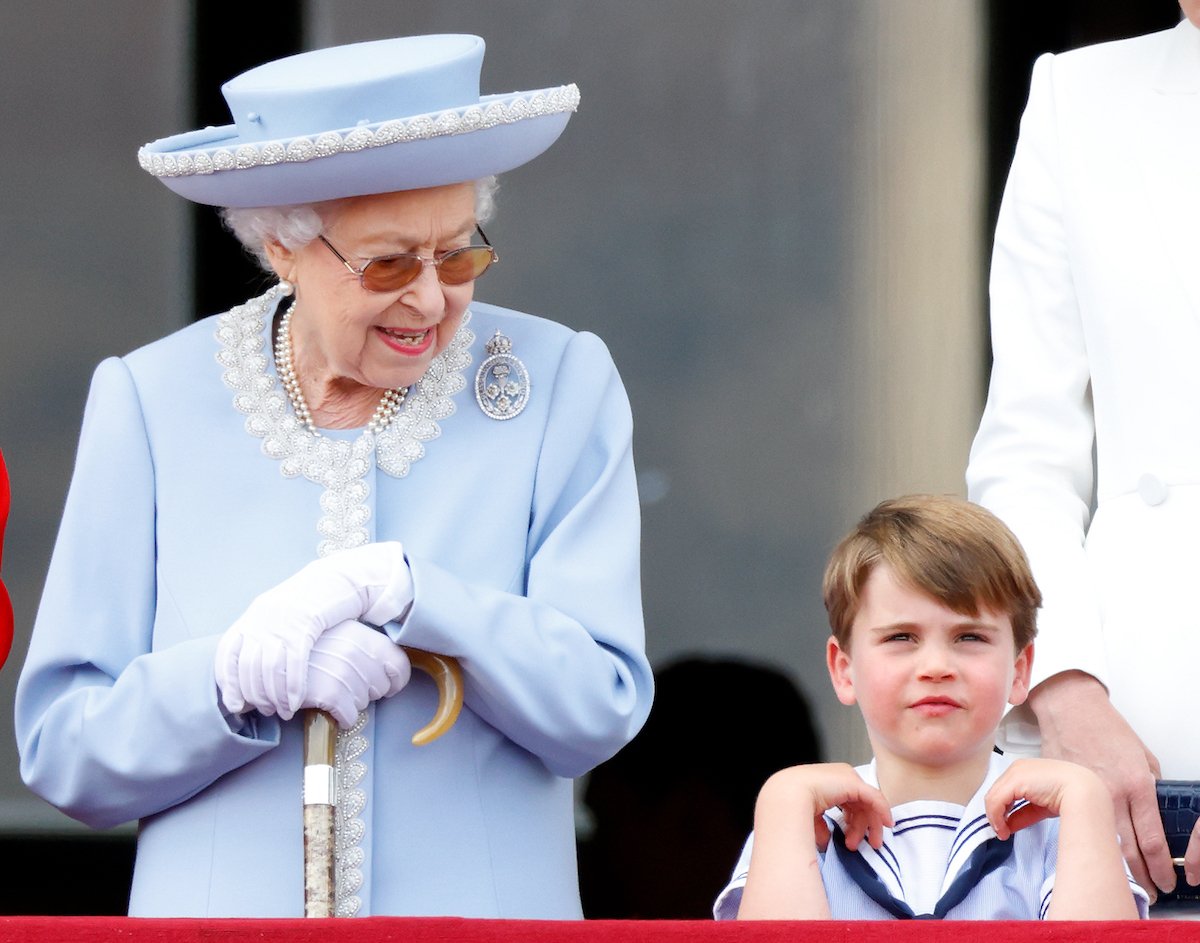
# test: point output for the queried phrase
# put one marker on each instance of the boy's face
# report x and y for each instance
(932, 684)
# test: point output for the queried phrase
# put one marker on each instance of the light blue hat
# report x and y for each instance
(395, 114)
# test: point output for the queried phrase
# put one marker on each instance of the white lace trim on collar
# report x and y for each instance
(337, 464)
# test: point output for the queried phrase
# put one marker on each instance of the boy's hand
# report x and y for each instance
(1090, 879)
(817, 787)
(785, 876)
(1049, 786)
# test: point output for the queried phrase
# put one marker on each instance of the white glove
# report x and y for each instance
(350, 666)
(262, 659)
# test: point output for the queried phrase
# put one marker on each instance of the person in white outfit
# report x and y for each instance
(1089, 446)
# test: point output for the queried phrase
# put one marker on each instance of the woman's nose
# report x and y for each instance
(424, 293)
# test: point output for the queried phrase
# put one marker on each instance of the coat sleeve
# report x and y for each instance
(1031, 462)
(560, 669)
(729, 901)
(109, 728)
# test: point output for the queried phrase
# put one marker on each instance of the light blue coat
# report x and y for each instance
(523, 539)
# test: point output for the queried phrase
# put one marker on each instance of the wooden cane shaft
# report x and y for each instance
(320, 801)
(318, 861)
(320, 785)
(320, 738)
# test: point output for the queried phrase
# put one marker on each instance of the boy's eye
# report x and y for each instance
(898, 637)
(972, 637)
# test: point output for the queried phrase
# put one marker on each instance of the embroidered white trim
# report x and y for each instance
(340, 467)
(349, 829)
(549, 101)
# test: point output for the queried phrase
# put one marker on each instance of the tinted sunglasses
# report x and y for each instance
(391, 272)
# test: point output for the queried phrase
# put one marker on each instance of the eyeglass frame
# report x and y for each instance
(435, 261)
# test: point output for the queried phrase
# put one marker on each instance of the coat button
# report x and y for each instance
(1152, 489)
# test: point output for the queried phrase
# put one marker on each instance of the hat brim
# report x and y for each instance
(500, 133)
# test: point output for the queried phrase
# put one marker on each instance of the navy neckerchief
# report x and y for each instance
(982, 861)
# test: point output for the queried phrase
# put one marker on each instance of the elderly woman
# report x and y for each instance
(268, 504)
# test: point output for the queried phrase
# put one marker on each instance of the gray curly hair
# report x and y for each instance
(296, 226)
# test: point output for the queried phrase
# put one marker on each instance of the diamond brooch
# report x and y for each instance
(502, 383)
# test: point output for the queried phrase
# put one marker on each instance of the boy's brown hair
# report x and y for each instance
(957, 552)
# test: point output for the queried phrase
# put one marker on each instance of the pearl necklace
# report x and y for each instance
(384, 413)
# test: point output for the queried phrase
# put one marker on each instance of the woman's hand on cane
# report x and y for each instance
(262, 660)
(350, 666)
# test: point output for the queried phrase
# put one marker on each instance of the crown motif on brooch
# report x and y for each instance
(499, 344)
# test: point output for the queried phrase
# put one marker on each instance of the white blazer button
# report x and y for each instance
(1152, 489)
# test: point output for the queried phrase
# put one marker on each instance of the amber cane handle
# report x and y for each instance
(447, 675)
(320, 800)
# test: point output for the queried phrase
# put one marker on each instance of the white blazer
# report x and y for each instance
(1095, 293)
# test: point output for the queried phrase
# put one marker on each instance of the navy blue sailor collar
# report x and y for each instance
(974, 852)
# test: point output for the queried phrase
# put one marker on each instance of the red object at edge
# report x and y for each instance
(6, 610)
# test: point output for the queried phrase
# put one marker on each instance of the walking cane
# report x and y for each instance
(320, 782)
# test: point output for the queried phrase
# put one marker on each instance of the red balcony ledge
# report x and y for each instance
(459, 930)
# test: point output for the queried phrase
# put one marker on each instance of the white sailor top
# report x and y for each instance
(939, 861)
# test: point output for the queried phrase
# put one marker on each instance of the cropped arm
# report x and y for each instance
(1031, 462)
(558, 664)
(109, 728)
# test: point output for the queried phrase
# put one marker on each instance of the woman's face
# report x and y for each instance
(343, 334)
(1191, 9)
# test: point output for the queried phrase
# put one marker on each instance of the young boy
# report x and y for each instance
(933, 609)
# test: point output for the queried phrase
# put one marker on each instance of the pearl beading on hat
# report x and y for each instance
(418, 128)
